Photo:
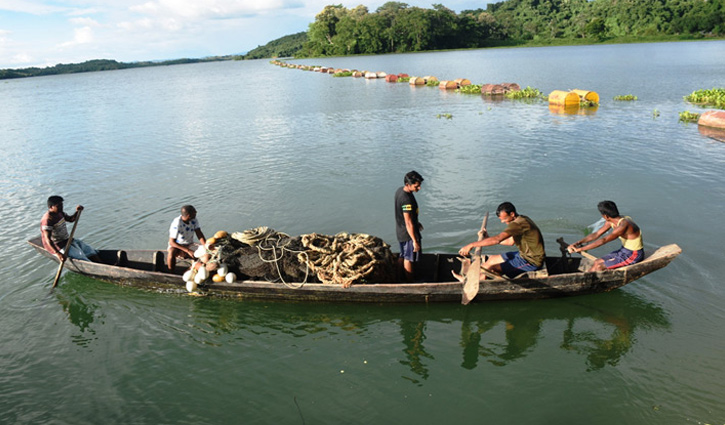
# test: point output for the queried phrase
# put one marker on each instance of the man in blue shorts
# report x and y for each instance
(624, 228)
(520, 231)
(407, 226)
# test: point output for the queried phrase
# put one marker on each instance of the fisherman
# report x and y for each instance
(55, 236)
(181, 237)
(407, 226)
(520, 231)
(624, 228)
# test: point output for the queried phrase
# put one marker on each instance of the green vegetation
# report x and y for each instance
(713, 97)
(280, 48)
(470, 89)
(343, 74)
(446, 116)
(432, 83)
(625, 97)
(397, 27)
(655, 114)
(687, 116)
(527, 93)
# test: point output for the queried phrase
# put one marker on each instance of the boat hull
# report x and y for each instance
(564, 279)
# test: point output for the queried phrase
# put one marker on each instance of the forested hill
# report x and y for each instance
(288, 45)
(397, 27)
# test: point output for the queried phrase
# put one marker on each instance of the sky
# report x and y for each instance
(44, 33)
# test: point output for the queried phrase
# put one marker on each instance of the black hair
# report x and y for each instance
(506, 207)
(608, 208)
(413, 177)
(54, 200)
(188, 209)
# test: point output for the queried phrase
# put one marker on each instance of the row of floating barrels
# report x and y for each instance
(489, 89)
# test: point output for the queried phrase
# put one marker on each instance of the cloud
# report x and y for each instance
(82, 35)
(212, 9)
(31, 7)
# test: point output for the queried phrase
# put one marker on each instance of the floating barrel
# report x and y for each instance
(511, 87)
(588, 96)
(429, 78)
(712, 132)
(493, 89)
(357, 74)
(560, 97)
(714, 119)
(403, 75)
(416, 81)
(381, 74)
(392, 78)
(462, 82)
(371, 75)
(448, 85)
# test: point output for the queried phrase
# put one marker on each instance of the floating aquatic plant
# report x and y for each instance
(712, 97)
(470, 89)
(432, 83)
(625, 97)
(687, 116)
(342, 74)
(655, 114)
(446, 116)
(527, 93)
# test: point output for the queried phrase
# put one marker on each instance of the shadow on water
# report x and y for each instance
(601, 328)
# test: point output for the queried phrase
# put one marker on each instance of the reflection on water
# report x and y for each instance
(573, 109)
(713, 133)
(601, 329)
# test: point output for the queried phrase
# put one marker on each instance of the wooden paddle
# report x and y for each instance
(66, 250)
(564, 249)
(470, 287)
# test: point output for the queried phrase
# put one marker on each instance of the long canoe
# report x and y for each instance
(564, 276)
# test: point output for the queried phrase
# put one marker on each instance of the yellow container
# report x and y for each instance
(566, 98)
(589, 96)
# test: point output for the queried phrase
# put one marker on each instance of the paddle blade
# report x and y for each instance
(470, 287)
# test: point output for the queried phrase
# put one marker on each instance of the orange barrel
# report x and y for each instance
(330, 71)
(429, 78)
(560, 97)
(511, 86)
(403, 75)
(714, 119)
(463, 82)
(589, 96)
(392, 78)
(493, 89)
(448, 85)
(416, 81)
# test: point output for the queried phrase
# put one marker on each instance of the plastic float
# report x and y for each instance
(416, 81)
(566, 98)
(587, 96)
(462, 82)
(391, 78)
(448, 85)
(712, 119)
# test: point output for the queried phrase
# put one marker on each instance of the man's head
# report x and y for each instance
(608, 209)
(413, 180)
(55, 203)
(188, 212)
(506, 212)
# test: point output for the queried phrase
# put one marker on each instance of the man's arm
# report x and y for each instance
(617, 232)
(200, 235)
(55, 250)
(410, 227)
(502, 238)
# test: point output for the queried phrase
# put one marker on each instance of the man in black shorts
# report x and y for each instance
(407, 226)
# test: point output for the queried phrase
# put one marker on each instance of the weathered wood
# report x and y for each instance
(564, 279)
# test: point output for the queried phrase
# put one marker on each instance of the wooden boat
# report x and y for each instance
(563, 277)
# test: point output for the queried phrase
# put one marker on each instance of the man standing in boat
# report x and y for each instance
(521, 231)
(407, 226)
(55, 236)
(181, 236)
(624, 228)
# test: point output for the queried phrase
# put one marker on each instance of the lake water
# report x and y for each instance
(252, 144)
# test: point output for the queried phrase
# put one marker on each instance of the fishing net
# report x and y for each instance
(343, 259)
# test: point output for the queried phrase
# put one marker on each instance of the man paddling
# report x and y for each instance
(520, 231)
(407, 226)
(55, 233)
(624, 228)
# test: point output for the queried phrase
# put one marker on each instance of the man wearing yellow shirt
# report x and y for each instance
(622, 227)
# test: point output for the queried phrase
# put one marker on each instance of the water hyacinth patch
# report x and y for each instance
(625, 97)
(687, 116)
(712, 97)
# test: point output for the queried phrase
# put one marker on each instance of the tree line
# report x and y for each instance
(397, 27)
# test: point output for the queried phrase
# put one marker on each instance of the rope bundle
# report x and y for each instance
(345, 258)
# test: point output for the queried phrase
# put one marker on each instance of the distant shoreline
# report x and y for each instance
(110, 64)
